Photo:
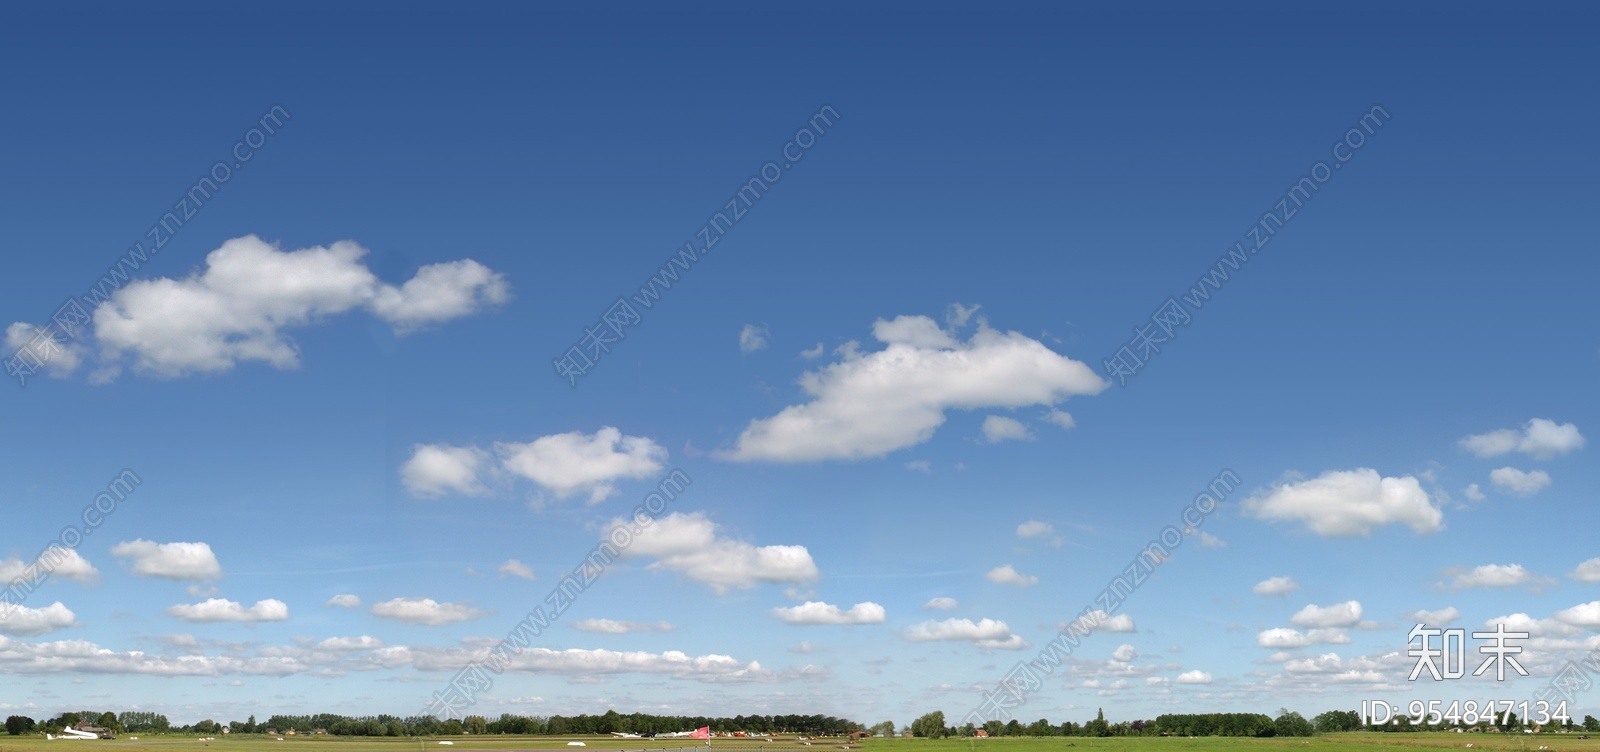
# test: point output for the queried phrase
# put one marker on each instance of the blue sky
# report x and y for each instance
(883, 374)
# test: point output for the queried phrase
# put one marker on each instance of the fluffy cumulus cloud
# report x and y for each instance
(692, 546)
(57, 561)
(561, 464)
(80, 657)
(219, 609)
(753, 338)
(871, 404)
(425, 611)
(1473, 492)
(941, 603)
(1538, 438)
(1193, 677)
(363, 642)
(986, 633)
(1037, 529)
(1519, 482)
(438, 469)
(998, 428)
(817, 612)
(598, 663)
(1008, 575)
(241, 305)
(21, 621)
(1493, 576)
(614, 627)
(44, 347)
(1275, 586)
(1286, 639)
(514, 568)
(172, 561)
(1586, 615)
(1347, 614)
(1589, 571)
(1349, 503)
(345, 600)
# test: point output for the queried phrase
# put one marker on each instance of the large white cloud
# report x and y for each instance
(871, 404)
(85, 658)
(219, 609)
(172, 561)
(1586, 615)
(985, 633)
(690, 544)
(817, 612)
(1519, 482)
(1347, 614)
(593, 663)
(1540, 438)
(1588, 571)
(1349, 503)
(1193, 677)
(425, 611)
(562, 464)
(21, 621)
(58, 561)
(249, 293)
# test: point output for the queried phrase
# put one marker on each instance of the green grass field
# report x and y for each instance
(1355, 742)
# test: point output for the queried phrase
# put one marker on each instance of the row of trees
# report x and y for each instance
(425, 725)
(1203, 724)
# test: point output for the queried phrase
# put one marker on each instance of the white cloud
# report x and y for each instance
(813, 353)
(613, 627)
(363, 642)
(1275, 586)
(436, 469)
(922, 466)
(1494, 575)
(817, 612)
(753, 338)
(1061, 419)
(1589, 571)
(985, 633)
(1008, 575)
(514, 568)
(998, 428)
(1586, 615)
(425, 611)
(1286, 639)
(871, 404)
(1473, 492)
(86, 658)
(1519, 482)
(1208, 540)
(1193, 677)
(957, 315)
(44, 346)
(1347, 614)
(1349, 503)
(58, 561)
(172, 561)
(1037, 529)
(591, 663)
(219, 609)
(1539, 438)
(563, 464)
(1100, 621)
(239, 306)
(1124, 653)
(568, 463)
(690, 545)
(21, 621)
(1438, 618)
(941, 603)
(344, 600)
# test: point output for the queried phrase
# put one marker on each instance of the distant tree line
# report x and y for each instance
(426, 725)
(1195, 724)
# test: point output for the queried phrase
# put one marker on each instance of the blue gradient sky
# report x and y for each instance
(1065, 169)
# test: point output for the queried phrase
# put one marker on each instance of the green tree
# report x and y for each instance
(207, 726)
(1098, 726)
(18, 725)
(475, 724)
(1290, 724)
(1590, 723)
(108, 721)
(930, 725)
(452, 727)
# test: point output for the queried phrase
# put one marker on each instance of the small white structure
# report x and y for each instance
(576, 744)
